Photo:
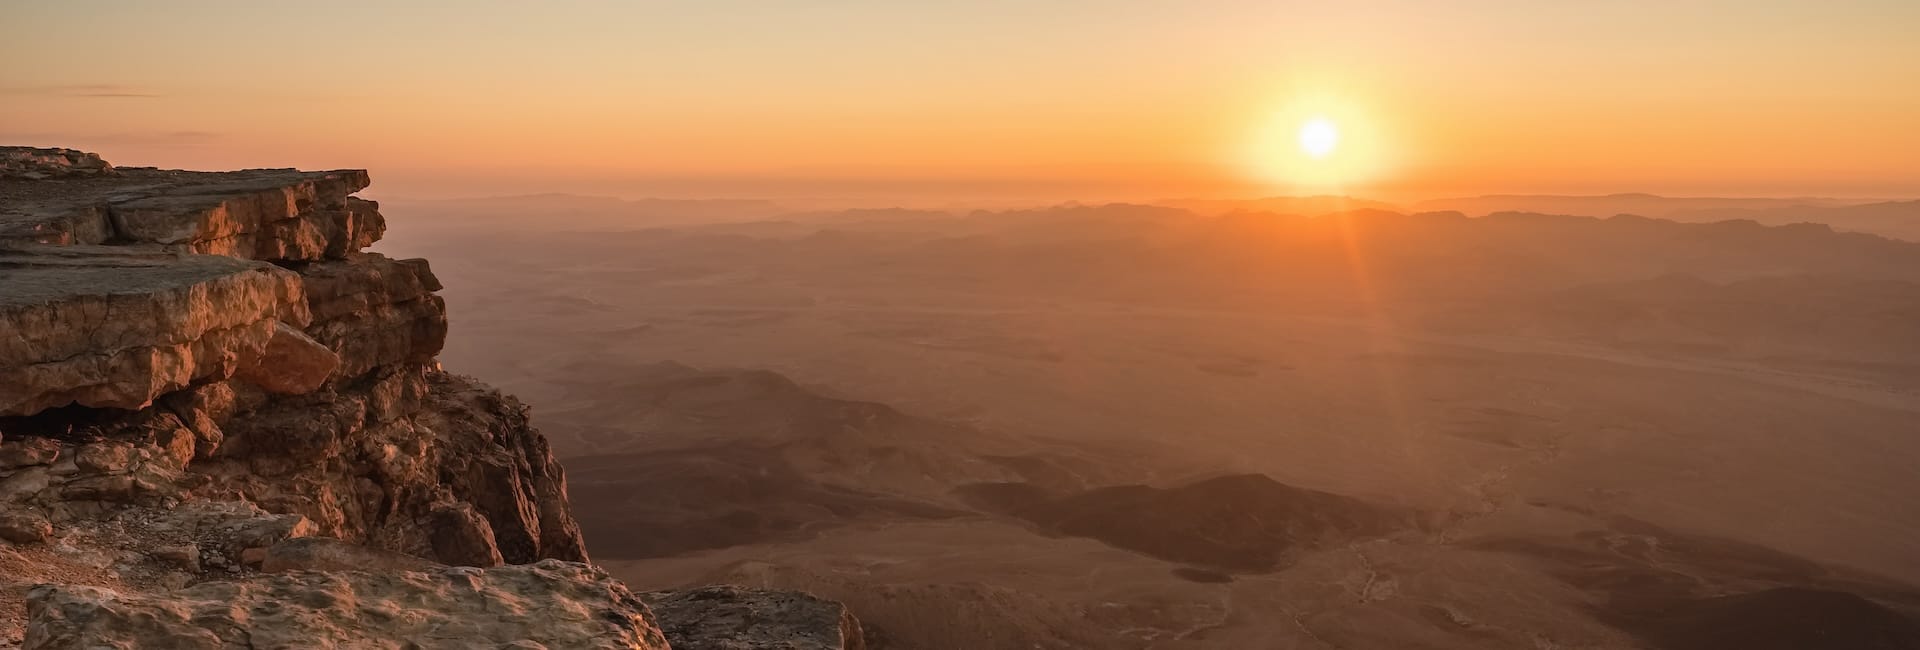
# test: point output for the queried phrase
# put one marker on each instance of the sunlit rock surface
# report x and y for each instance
(268, 214)
(117, 327)
(551, 604)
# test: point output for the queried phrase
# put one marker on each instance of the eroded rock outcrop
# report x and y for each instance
(235, 325)
(217, 411)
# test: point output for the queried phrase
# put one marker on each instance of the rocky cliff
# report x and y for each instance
(222, 425)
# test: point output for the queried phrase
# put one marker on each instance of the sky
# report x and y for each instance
(1061, 99)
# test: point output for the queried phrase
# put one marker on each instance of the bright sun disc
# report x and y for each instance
(1317, 143)
(1318, 137)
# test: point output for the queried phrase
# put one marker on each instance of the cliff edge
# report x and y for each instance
(222, 425)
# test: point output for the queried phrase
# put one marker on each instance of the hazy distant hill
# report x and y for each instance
(1897, 219)
(1646, 205)
(1300, 205)
(1137, 252)
(1545, 271)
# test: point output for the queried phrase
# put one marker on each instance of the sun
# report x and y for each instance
(1319, 137)
(1318, 143)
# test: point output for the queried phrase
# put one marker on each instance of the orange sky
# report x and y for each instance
(988, 98)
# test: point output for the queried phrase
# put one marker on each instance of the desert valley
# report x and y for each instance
(1138, 426)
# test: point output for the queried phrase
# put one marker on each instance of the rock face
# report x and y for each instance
(551, 604)
(216, 409)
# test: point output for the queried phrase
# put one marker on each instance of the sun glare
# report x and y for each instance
(1319, 142)
(1318, 137)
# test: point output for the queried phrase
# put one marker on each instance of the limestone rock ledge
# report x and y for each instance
(204, 377)
(108, 327)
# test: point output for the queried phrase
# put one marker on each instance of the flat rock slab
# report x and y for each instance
(277, 214)
(118, 326)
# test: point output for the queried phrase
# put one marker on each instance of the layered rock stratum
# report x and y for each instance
(222, 425)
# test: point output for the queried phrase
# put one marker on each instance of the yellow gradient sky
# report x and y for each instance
(988, 98)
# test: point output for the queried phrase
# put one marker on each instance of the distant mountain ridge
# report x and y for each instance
(1300, 205)
(1606, 205)
(1896, 219)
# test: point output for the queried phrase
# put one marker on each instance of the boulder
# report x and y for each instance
(292, 363)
